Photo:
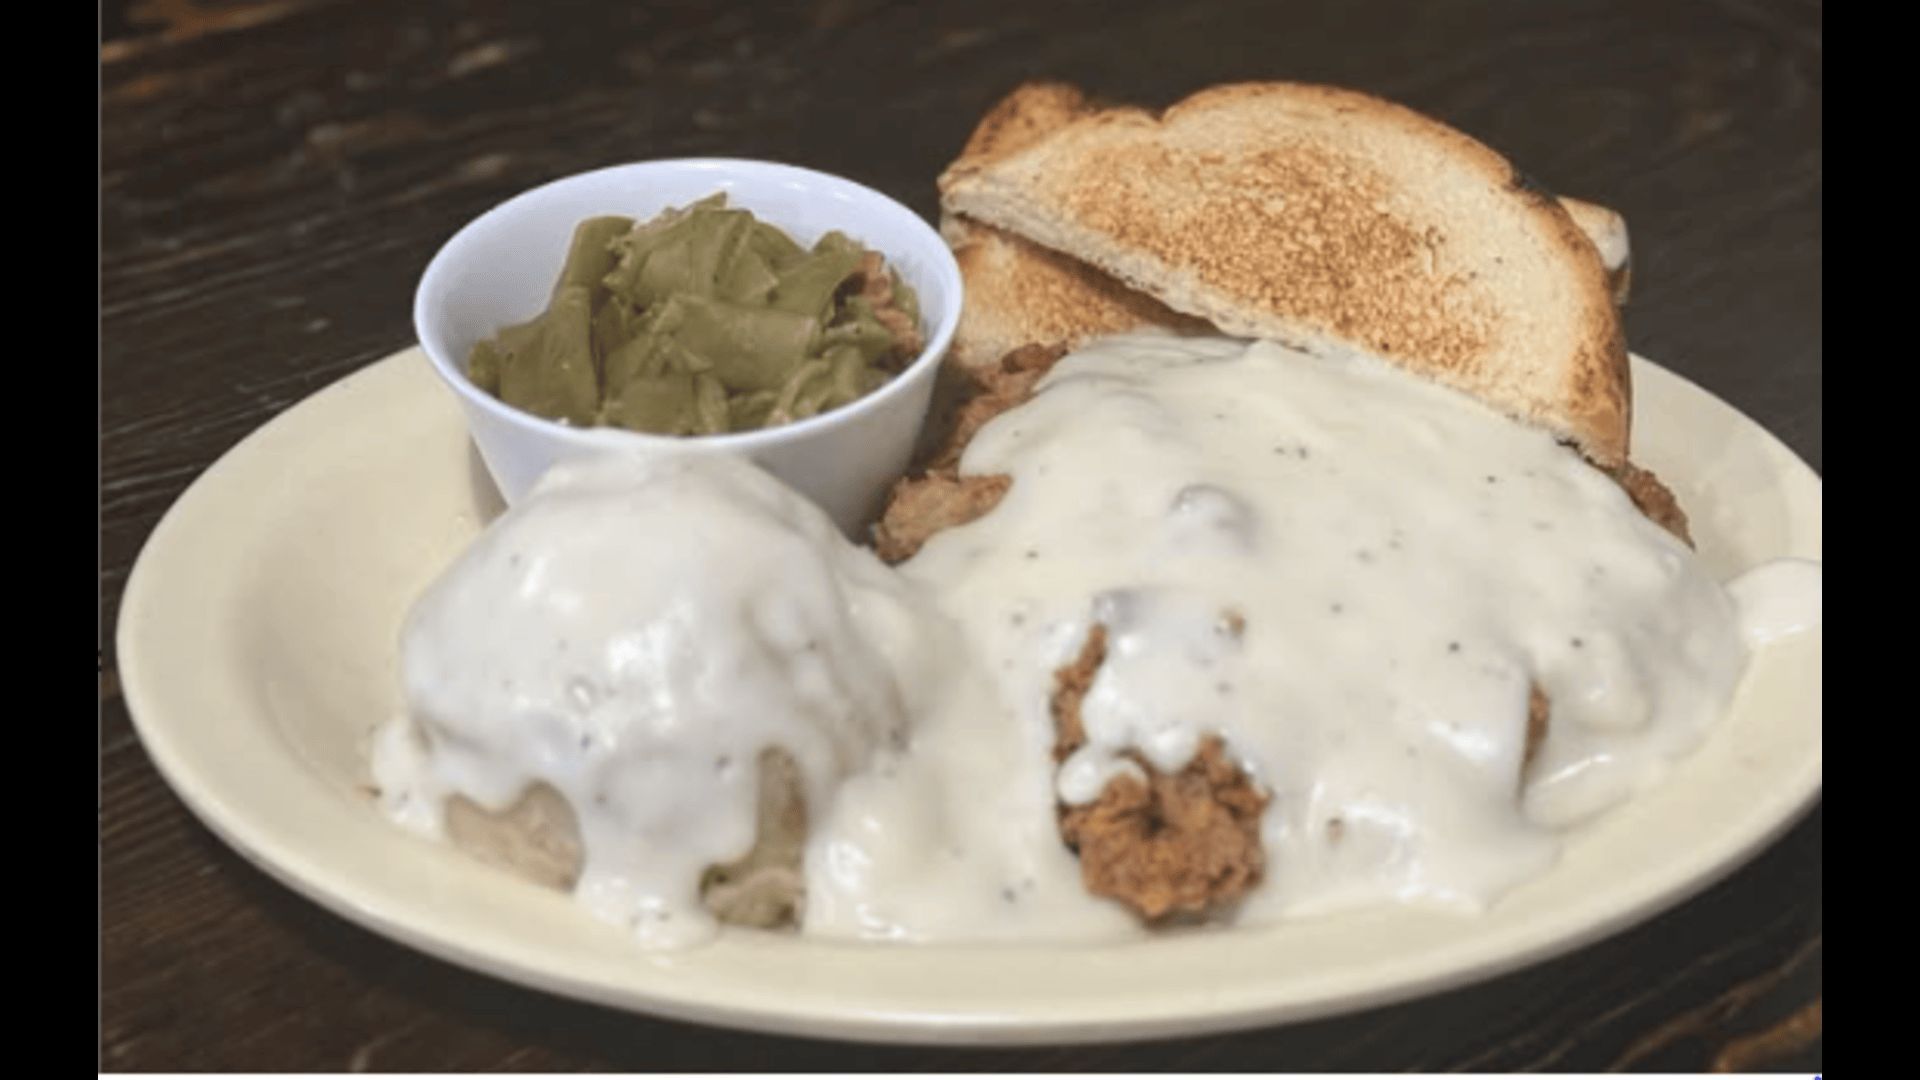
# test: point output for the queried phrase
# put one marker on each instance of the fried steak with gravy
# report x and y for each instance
(1072, 221)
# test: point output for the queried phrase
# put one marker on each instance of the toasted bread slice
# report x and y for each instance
(1019, 293)
(1332, 221)
(1034, 110)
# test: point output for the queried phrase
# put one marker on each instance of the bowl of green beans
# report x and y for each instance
(696, 306)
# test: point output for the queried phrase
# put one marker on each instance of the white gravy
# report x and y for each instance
(1351, 575)
(635, 637)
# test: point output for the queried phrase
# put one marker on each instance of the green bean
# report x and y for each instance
(750, 412)
(807, 287)
(775, 246)
(591, 257)
(699, 321)
(798, 389)
(710, 405)
(483, 367)
(548, 366)
(663, 404)
(749, 348)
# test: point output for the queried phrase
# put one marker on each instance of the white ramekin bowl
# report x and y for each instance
(500, 270)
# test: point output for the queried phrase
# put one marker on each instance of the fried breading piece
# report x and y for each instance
(1653, 499)
(1173, 844)
(766, 887)
(1184, 844)
(1538, 708)
(940, 497)
(538, 838)
(1070, 686)
(925, 505)
(998, 387)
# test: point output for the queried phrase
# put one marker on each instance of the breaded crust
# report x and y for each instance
(1652, 499)
(937, 496)
(1184, 843)
(538, 838)
(1539, 712)
(929, 504)
(1333, 221)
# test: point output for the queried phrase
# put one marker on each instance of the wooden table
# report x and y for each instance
(277, 172)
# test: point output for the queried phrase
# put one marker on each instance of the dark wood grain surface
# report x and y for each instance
(276, 173)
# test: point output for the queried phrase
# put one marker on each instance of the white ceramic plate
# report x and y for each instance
(257, 646)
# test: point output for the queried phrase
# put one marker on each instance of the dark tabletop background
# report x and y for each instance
(276, 173)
